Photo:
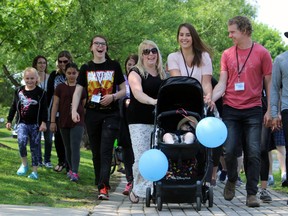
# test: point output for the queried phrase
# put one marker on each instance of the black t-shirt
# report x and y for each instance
(100, 79)
(139, 113)
(30, 105)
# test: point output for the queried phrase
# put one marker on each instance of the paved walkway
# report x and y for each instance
(121, 206)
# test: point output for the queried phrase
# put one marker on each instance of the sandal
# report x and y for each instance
(59, 167)
(133, 197)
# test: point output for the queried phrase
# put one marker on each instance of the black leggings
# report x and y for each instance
(284, 115)
(265, 147)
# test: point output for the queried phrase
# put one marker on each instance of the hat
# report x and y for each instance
(286, 34)
(191, 119)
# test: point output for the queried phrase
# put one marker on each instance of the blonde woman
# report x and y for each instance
(144, 80)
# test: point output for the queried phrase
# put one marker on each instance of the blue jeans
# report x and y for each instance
(246, 123)
(47, 145)
(102, 129)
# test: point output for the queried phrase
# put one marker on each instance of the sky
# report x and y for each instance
(274, 14)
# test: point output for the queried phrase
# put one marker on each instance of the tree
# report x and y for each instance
(33, 27)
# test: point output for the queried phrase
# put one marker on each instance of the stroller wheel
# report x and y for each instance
(148, 196)
(210, 197)
(198, 203)
(159, 203)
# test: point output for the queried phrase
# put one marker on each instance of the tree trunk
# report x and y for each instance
(10, 77)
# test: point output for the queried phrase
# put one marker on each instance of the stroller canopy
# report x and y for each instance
(179, 93)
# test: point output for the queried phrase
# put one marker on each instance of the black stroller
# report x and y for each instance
(178, 97)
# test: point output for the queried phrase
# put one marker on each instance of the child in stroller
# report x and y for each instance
(184, 133)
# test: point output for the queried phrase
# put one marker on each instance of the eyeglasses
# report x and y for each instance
(147, 51)
(99, 43)
(41, 62)
(65, 61)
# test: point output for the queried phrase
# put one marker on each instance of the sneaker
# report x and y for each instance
(128, 188)
(252, 201)
(270, 181)
(103, 193)
(22, 170)
(239, 182)
(69, 174)
(229, 190)
(265, 196)
(223, 176)
(33, 175)
(74, 177)
(48, 165)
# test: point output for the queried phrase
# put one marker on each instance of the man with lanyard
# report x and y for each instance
(243, 68)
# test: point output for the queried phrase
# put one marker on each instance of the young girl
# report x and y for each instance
(30, 104)
(71, 132)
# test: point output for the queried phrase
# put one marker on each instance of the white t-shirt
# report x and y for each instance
(176, 61)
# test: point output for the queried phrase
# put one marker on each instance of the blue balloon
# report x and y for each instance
(211, 132)
(153, 165)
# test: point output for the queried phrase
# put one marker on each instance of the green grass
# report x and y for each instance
(52, 189)
(277, 186)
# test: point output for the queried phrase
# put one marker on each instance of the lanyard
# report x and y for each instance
(189, 75)
(240, 70)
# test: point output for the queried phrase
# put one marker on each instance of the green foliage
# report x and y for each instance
(46, 27)
(270, 39)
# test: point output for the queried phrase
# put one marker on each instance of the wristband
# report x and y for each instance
(114, 97)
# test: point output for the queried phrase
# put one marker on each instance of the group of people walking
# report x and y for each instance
(99, 85)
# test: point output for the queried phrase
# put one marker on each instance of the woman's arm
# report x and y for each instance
(109, 98)
(136, 87)
(53, 126)
(207, 88)
(75, 103)
(220, 88)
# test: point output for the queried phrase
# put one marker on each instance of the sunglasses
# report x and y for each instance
(147, 51)
(65, 61)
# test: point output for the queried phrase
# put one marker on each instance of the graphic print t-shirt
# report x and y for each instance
(28, 105)
(100, 79)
